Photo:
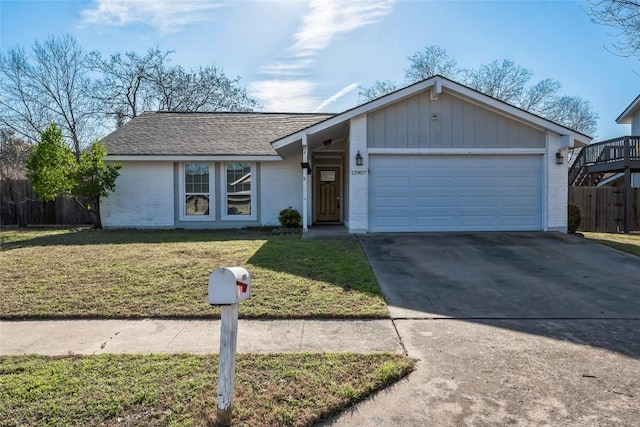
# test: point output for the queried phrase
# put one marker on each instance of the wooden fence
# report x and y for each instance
(19, 206)
(602, 208)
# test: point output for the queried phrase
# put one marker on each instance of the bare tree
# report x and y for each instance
(624, 16)
(504, 80)
(539, 97)
(573, 112)
(49, 85)
(127, 85)
(206, 89)
(132, 84)
(379, 88)
(433, 60)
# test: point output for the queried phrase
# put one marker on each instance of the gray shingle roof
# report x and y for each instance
(175, 134)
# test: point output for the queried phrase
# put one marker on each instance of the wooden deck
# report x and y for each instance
(614, 155)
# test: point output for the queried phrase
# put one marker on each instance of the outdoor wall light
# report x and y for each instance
(434, 117)
(305, 165)
(358, 159)
(559, 158)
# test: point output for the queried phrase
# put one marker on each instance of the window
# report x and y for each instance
(196, 192)
(239, 191)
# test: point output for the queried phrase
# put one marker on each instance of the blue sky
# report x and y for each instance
(311, 56)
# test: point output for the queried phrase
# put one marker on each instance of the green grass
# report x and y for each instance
(625, 242)
(180, 390)
(134, 274)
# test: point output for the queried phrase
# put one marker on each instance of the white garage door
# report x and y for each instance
(455, 193)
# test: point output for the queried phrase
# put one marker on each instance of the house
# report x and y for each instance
(631, 116)
(434, 156)
(615, 162)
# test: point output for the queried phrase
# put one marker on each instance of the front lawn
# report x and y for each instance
(48, 273)
(625, 242)
(165, 390)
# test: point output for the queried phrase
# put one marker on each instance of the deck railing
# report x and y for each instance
(622, 149)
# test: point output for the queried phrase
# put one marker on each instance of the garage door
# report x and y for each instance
(455, 193)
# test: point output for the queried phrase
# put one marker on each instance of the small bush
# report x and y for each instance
(290, 218)
(574, 219)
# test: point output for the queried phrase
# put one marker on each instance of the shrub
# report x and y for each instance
(574, 219)
(290, 218)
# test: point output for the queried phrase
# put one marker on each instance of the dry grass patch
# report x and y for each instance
(162, 390)
(625, 242)
(135, 274)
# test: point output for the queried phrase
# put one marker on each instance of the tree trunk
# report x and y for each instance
(97, 221)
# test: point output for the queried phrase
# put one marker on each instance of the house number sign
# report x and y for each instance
(358, 172)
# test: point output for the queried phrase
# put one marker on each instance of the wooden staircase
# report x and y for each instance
(595, 160)
(613, 156)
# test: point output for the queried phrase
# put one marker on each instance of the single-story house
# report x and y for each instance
(434, 156)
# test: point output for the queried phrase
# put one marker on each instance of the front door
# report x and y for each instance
(327, 199)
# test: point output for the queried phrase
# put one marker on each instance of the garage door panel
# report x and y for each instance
(455, 193)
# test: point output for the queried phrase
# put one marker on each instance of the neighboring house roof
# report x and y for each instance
(205, 134)
(437, 84)
(612, 178)
(627, 114)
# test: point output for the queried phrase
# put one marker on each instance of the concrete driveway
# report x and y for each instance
(509, 329)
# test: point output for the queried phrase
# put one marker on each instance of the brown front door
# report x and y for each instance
(327, 198)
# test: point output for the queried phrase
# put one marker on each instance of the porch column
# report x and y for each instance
(358, 176)
(305, 160)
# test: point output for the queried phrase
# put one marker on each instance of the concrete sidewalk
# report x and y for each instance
(195, 336)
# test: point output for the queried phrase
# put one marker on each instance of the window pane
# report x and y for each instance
(239, 204)
(197, 205)
(196, 178)
(205, 182)
(196, 188)
(239, 189)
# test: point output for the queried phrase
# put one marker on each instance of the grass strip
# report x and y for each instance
(629, 243)
(179, 390)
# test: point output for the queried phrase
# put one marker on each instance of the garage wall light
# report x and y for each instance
(358, 159)
(559, 158)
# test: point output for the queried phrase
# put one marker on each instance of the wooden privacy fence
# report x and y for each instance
(602, 208)
(19, 206)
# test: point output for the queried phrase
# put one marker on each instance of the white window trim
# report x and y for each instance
(182, 194)
(223, 191)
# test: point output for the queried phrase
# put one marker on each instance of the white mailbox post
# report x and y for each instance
(227, 287)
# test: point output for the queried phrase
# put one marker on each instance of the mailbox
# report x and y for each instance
(229, 285)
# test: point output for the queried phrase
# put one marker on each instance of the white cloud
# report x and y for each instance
(165, 16)
(329, 19)
(284, 95)
(335, 97)
(297, 67)
(325, 21)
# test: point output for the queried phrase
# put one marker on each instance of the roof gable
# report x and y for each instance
(627, 115)
(436, 85)
(205, 134)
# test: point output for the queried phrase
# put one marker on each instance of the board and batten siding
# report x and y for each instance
(143, 197)
(459, 124)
